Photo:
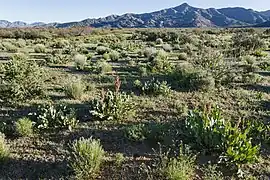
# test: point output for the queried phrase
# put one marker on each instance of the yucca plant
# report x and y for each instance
(87, 156)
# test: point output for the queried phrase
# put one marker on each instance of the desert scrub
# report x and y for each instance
(180, 167)
(187, 77)
(80, 61)
(75, 89)
(4, 149)
(159, 63)
(10, 47)
(153, 87)
(149, 52)
(114, 55)
(112, 105)
(55, 116)
(24, 127)
(40, 48)
(102, 67)
(87, 156)
(21, 80)
(102, 50)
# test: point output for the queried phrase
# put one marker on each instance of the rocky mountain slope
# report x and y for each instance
(180, 16)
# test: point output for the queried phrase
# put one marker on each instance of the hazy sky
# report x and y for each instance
(75, 10)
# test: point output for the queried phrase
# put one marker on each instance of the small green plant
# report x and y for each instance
(211, 173)
(4, 149)
(40, 48)
(154, 87)
(87, 156)
(149, 52)
(75, 89)
(102, 50)
(182, 56)
(180, 167)
(114, 55)
(55, 116)
(159, 63)
(80, 61)
(24, 127)
(119, 159)
(113, 105)
(10, 47)
(102, 67)
(136, 133)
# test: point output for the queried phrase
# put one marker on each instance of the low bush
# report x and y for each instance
(21, 80)
(114, 55)
(40, 48)
(154, 87)
(102, 50)
(10, 47)
(75, 89)
(24, 127)
(80, 61)
(87, 156)
(55, 116)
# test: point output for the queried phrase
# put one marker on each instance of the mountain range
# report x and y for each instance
(179, 16)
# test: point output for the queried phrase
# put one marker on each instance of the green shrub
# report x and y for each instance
(211, 173)
(149, 52)
(106, 56)
(154, 87)
(190, 78)
(102, 67)
(21, 80)
(10, 47)
(40, 48)
(21, 43)
(75, 89)
(209, 131)
(4, 149)
(119, 159)
(87, 156)
(114, 55)
(136, 133)
(160, 63)
(80, 61)
(180, 167)
(24, 127)
(167, 47)
(182, 56)
(102, 50)
(113, 106)
(55, 116)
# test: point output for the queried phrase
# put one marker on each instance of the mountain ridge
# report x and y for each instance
(183, 15)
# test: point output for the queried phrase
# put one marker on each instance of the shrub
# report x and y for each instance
(182, 56)
(102, 50)
(137, 133)
(149, 52)
(21, 43)
(4, 149)
(106, 56)
(210, 132)
(159, 41)
(114, 55)
(40, 48)
(180, 167)
(167, 47)
(87, 155)
(21, 80)
(102, 67)
(211, 173)
(75, 89)
(80, 61)
(24, 127)
(190, 78)
(10, 47)
(55, 116)
(119, 159)
(160, 63)
(112, 105)
(154, 87)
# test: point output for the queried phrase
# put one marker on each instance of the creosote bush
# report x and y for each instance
(22, 80)
(24, 127)
(87, 156)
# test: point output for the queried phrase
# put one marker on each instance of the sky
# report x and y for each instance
(76, 10)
